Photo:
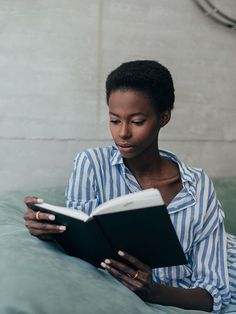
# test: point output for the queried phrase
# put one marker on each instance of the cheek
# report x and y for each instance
(112, 129)
(148, 134)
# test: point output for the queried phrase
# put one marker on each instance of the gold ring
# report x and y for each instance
(37, 215)
(136, 275)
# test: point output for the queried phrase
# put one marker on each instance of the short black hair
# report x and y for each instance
(147, 76)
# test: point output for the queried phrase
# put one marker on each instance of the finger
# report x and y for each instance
(134, 261)
(46, 228)
(43, 232)
(121, 267)
(139, 275)
(31, 215)
(132, 284)
(32, 200)
(128, 285)
(43, 216)
(38, 233)
(37, 217)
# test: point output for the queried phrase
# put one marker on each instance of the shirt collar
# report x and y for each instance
(116, 158)
(187, 174)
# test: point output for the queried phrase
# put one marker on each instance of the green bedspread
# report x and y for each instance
(37, 278)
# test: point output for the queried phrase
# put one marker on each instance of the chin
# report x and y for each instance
(128, 155)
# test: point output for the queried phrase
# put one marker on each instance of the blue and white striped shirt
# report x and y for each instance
(100, 174)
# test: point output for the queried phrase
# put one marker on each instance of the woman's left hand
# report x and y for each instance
(137, 277)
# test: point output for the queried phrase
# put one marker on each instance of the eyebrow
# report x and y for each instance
(133, 114)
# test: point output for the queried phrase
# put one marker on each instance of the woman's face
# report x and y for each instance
(134, 122)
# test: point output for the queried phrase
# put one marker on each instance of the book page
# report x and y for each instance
(145, 198)
(77, 214)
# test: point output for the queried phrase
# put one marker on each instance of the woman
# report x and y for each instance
(140, 97)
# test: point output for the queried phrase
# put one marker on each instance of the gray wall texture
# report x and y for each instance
(54, 58)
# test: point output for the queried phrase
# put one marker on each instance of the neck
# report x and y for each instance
(148, 162)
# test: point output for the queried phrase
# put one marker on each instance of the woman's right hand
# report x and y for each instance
(39, 224)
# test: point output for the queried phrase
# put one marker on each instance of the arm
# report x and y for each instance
(209, 254)
(206, 284)
(195, 299)
(81, 192)
(139, 279)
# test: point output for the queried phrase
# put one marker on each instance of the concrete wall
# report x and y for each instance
(54, 58)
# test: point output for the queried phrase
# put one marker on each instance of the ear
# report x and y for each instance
(165, 117)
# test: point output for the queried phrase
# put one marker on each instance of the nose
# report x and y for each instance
(125, 131)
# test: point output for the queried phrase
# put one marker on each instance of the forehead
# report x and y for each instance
(130, 101)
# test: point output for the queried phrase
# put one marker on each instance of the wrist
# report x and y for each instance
(153, 293)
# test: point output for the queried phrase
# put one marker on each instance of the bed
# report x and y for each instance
(38, 278)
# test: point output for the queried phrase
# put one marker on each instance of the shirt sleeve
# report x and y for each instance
(81, 189)
(209, 255)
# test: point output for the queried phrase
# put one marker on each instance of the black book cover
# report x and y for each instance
(80, 239)
(145, 233)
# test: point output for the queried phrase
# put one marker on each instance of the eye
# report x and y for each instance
(114, 121)
(138, 122)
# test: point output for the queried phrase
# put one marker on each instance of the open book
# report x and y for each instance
(137, 223)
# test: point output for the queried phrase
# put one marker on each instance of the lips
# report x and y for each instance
(125, 148)
(124, 145)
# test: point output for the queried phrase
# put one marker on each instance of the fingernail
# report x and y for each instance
(62, 228)
(105, 265)
(107, 261)
(121, 253)
(51, 217)
(39, 200)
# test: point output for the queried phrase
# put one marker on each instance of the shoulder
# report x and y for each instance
(199, 177)
(208, 211)
(194, 177)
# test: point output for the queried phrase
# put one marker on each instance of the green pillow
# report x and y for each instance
(37, 277)
(226, 193)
